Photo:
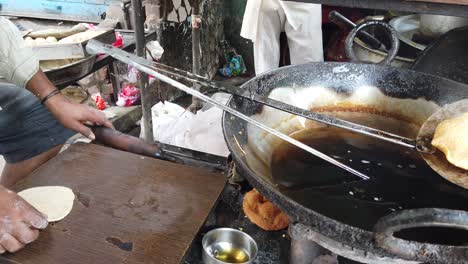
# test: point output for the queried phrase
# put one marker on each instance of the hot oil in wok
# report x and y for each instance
(400, 178)
(292, 167)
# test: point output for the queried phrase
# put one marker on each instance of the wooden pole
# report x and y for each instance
(146, 100)
(196, 50)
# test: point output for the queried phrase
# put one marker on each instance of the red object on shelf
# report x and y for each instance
(100, 104)
(118, 40)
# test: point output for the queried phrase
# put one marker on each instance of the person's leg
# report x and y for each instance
(29, 134)
(267, 42)
(305, 42)
(14, 172)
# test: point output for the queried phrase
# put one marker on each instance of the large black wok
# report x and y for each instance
(347, 209)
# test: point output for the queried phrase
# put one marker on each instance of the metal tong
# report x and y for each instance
(160, 71)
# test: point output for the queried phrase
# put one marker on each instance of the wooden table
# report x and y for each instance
(128, 208)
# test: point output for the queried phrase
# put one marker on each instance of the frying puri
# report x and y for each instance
(451, 137)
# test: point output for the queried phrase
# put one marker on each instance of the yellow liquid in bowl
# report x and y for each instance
(232, 255)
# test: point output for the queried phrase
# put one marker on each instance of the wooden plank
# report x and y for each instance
(129, 208)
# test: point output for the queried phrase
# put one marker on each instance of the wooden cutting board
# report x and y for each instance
(128, 208)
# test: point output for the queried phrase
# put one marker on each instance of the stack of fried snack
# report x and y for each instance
(263, 213)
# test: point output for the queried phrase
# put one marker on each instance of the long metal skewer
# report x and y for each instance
(98, 47)
(333, 121)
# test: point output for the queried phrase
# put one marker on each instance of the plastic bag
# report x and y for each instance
(234, 63)
(154, 50)
(235, 68)
(118, 43)
(128, 96)
(118, 40)
(100, 103)
(202, 131)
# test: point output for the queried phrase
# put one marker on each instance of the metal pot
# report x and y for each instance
(365, 53)
(436, 25)
(358, 51)
(412, 43)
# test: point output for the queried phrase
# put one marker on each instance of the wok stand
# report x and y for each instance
(303, 250)
(308, 244)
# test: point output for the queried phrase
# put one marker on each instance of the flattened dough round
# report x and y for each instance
(451, 137)
(54, 201)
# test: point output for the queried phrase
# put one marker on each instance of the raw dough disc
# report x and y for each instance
(54, 201)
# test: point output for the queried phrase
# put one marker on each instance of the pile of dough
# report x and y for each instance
(47, 65)
(451, 137)
(40, 41)
(54, 201)
(263, 213)
(58, 33)
(76, 38)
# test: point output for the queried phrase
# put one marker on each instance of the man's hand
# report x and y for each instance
(19, 222)
(74, 116)
(70, 115)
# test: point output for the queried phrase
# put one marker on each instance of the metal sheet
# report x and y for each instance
(71, 10)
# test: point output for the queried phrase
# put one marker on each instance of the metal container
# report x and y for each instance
(436, 25)
(407, 27)
(366, 54)
(65, 75)
(357, 51)
(226, 239)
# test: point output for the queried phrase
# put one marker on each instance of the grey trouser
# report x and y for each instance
(27, 128)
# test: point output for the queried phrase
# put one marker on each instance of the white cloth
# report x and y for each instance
(17, 61)
(264, 20)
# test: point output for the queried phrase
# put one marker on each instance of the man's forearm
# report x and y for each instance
(40, 85)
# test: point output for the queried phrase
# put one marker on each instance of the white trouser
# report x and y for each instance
(305, 40)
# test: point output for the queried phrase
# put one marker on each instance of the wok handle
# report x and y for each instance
(422, 252)
(124, 142)
(388, 29)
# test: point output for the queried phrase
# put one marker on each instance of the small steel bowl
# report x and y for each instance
(222, 239)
